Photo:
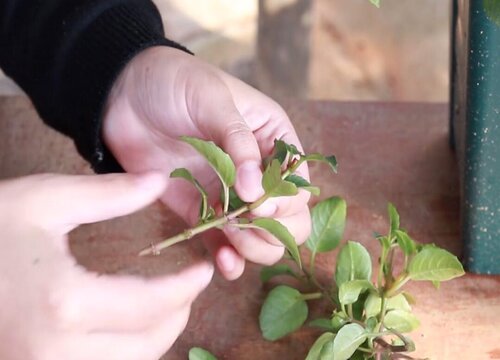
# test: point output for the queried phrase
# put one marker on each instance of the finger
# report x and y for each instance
(222, 120)
(253, 247)
(299, 225)
(229, 262)
(110, 303)
(74, 200)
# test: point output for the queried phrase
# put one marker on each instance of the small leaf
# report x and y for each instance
(315, 351)
(371, 322)
(198, 353)
(302, 183)
(405, 242)
(185, 174)
(373, 304)
(322, 323)
(349, 291)
(216, 157)
(274, 185)
(281, 233)
(268, 272)
(283, 312)
(330, 160)
(434, 264)
(234, 200)
(437, 284)
(328, 223)
(393, 217)
(384, 242)
(409, 297)
(346, 342)
(353, 263)
(401, 321)
(375, 2)
(337, 322)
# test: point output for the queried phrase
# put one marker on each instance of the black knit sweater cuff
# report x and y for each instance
(113, 37)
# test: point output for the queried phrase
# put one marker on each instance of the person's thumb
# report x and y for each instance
(64, 202)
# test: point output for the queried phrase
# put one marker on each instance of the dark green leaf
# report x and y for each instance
(198, 353)
(268, 272)
(234, 200)
(349, 291)
(315, 351)
(218, 159)
(302, 183)
(373, 304)
(345, 343)
(322, 323)
(185, 174)
(405, 242)
(281, 233)
(283, 312)
(401, 321)
(328, 223)
(353, 263)
(274, 185)
(492, 10)
(330, 160)
(393, 217)
(434, 264)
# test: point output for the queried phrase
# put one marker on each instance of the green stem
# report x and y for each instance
(312, 296)
(381, 267)
(311, 264)
(398, 284)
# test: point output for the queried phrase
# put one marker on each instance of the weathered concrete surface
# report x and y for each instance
(387, 152)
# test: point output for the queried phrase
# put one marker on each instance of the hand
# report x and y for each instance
(164, 93)
(53, 309)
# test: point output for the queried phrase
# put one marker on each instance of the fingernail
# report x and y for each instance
(226, 260)
(150, 180)
(248, 179)
(267, 209)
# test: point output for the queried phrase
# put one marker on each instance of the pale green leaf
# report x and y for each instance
(349, 291)
(373, 304)
(198, 353)
(185, 174)
(353, 263)
(315, 351)
(338, 320)
(302, 183)
(393, 217)
(268, 272)
(329, 160)
(434, 264)
(347, 340)
(284, 311)
(401, 321)
(216, 157)
(274, 185)
(405, 242)
(279, 231)
(328, 223)
(375, 2)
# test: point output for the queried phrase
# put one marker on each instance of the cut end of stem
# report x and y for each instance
(150, 250)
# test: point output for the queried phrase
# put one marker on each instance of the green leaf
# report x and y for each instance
(371, 323)
(234, 200)
(322, 323)
(393, 217)
(338, 321)
(328, 223)
(218, 159)
(492, 10)
(437, 284)
(281, 233)
(353, 263)
(373, 304)
(376, 3)
(349, 291)
(384, 242)
(345, 343)
(185, 174)
(329, 160)
(268, 272)
(198, 353)
(405, 242)
(434, 264)
(274, 185)
(401, 321)
(315, 351)
(283, 312)
(302, 183)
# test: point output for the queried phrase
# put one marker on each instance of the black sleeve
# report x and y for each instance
(66, 54)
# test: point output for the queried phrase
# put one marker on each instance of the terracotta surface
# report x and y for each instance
(387, 152)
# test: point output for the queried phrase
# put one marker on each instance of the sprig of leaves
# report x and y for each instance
(368, 318)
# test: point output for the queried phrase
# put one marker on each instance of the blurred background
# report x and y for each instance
(318, 49)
